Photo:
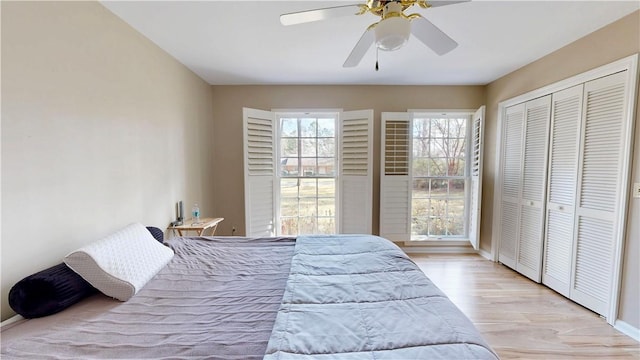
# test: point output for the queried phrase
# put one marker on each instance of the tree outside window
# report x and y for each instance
(439, 176)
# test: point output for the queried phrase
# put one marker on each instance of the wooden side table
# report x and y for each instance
(200, 226)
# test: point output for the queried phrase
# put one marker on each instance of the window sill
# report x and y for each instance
(436, 240)
(437, 246)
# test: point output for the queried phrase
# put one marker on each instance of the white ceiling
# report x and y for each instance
(243, 42)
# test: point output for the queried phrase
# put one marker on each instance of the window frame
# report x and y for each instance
(429, 113)
(466, 177)
(298, 114)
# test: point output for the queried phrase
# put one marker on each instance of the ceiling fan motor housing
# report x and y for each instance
(393, 31)
(377, 7)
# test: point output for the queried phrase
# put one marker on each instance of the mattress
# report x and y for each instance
(314, 297)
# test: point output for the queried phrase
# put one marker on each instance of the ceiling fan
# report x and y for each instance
(391, 32)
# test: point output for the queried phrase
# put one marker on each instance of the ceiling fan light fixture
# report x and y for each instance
(393, 32)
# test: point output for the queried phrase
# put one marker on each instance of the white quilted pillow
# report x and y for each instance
(120, 264)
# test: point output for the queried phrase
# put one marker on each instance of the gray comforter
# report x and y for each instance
(344, 297)
(361, 297)
(216, 299)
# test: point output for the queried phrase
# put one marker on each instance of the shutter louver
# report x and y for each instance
(593, 263)
(603, 129)
(535, 151)
(510, 185)
(563, 167)
(558, 251)
(508, 234)
(261, 212)
(477, 144)
(538, 114)
(477, 147)
(530, 243)
(395, 179)
(564, 148)
(396, 210)
(512, 153)
(355, 147)
(260, 146)
(396, 148)
(260, 170)
(356, 172)
(601, 189)
(355, 213)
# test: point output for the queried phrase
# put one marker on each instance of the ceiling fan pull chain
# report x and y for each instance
(377, 68)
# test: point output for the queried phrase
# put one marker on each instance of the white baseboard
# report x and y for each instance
(627, 329)
(485, 254)
(11, 320)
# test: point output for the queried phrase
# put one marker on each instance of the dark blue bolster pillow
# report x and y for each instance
(54, 289)
(48, 292)
(156, 233)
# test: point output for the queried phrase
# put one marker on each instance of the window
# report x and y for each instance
(307, 159)
(431, 175)
(308, 172)
(439, 175)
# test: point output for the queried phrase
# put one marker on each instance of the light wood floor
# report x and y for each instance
(519, 318)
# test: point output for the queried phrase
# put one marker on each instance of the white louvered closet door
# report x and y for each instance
(259, 162)
(532, 202)
(395, 177)
(356, 172)
(566, 122)
(510, 186)
(477, 149)
(601, 189)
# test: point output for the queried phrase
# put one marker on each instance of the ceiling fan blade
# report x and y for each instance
(365, 42)
(432, 36)
(437, 3)
(319, 14)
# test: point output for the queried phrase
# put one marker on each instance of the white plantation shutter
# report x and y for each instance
(356, 172)
(395, 177)
(510, 186)
(536, 128)
(260, 168)
(562, 180)
(601, 189)
(477, 151)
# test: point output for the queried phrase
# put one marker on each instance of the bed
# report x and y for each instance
(311, 297)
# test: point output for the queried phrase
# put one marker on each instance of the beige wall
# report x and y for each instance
(615, 41)
(228, 102)
(100, 128)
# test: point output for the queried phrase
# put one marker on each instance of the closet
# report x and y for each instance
(562, 187)
(523, 185)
